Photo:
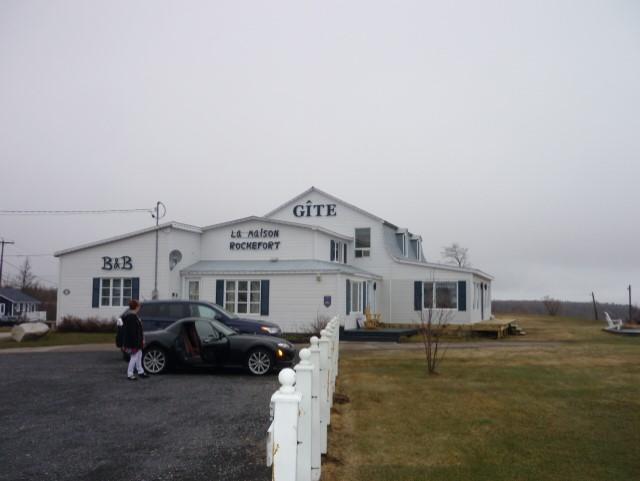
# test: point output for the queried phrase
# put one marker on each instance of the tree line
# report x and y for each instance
(581, 310)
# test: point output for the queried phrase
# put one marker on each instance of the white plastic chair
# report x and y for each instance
(613, 323)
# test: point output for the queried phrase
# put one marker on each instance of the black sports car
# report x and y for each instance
(199, 342)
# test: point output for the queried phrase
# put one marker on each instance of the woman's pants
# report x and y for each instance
(135, 361)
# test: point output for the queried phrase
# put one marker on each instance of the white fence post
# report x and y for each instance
(304, 378)
(282, 442)
(318, 425)
(325, 412)
(301, 410)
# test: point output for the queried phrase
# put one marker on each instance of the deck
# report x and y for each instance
(376, 335)
(498, 327)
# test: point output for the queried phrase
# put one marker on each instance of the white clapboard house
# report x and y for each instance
(314, 257)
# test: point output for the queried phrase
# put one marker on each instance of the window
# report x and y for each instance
(357, 296)
(115, 292)
(417, 248)
(363, 242)
(194, 290)
(441, 295)
(401, 237)
(242, 297)
(338, 252)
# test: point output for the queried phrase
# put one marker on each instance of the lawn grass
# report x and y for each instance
(55, 338)
(547, 411)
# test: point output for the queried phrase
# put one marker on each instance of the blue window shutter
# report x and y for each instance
(95, 301)
(344, 251)
(364, 297)
(264, 298)
(135, 288)
(220, 292)
(417, 296)
(332, 254)
(462, 295)
(348, 297)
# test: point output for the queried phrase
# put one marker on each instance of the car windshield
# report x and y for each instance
(222, 328)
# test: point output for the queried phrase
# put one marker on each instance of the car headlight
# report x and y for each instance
(270, 330)
(284, 345)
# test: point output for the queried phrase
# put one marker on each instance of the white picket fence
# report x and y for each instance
(301, 410)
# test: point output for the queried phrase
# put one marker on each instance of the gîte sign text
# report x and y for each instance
(314, 210)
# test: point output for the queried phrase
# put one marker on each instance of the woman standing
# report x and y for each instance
(133, 340)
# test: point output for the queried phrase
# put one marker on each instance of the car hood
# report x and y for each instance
(258, 337)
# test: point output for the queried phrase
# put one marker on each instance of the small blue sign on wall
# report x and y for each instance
(327, 301)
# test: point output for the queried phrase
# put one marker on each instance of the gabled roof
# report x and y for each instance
(172, 225)
(275, 267)
(276, 222)
(14, 295)
(313, 189)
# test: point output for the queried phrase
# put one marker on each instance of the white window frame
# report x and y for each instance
(362, 251)
(338, 252)
(432, 303)
(243, 296)
(193, 295)
(115, 296)
(357, 296)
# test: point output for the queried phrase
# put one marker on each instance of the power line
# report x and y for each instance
(72, 212)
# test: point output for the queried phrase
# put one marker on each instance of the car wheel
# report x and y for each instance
(260, 362)
(155, 360)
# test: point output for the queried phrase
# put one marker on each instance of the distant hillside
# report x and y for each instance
(583, 310)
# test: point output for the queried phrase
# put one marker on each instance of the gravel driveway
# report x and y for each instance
(75, 416)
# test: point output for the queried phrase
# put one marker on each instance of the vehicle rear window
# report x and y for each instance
(198, 310)
(173, 311)
(148, 310)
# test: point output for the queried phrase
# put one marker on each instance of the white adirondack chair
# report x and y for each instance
(613, 323)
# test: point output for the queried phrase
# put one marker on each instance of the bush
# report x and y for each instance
(92, 324)
(316, 326)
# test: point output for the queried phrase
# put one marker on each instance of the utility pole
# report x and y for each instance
(630, 308)
(154, 294)
(3, 242)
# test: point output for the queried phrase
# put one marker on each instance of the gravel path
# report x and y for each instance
(75, 416)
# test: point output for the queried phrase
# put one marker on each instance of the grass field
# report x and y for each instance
(568, 410)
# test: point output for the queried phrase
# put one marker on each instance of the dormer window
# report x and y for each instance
(403, 241)
(416, 247)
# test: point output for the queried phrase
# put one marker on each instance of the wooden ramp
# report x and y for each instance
(500, 327)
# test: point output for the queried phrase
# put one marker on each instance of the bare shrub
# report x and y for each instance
(92, 324)
(553, 306)
(433, 324)
(317, 325)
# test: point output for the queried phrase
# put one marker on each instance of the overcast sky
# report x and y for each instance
(510, 127)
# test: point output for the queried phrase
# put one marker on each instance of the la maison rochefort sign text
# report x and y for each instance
(246, 240)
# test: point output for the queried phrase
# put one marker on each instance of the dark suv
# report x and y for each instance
(159, 314)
